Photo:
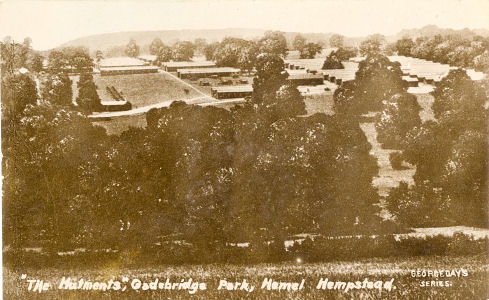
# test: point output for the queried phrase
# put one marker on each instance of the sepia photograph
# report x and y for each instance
(244, 149)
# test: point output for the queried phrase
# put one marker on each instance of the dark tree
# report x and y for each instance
(57, 89)
(156, 46)
(377, 79)
(18, 91)
(183, 51)
(404, 46)
(16, 55)
(336, 40)
(132, 49)
(229, 51)
(399, 116)
(332, 61)
(88, 98)
(42, 152)
(34, 62)
(57, 61)
(165, 54)
(99, 55)
(274, 96)
(345, 53)
(79, 59)
(310, 50)
(458, 94)
(450, 157)
(210, 50)
(247, 57)
(273, 43)
(372, 45)
(481, 62)
(299, 42)
(200, 45)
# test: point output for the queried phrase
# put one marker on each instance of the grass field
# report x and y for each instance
(215, 82)
(144, 89)
(405, 286)
(322, 103)
(425, 101)
(387, 177)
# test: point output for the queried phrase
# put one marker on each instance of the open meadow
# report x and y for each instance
(322, 103)
(242, 79)
(145, 89)
(467, 278)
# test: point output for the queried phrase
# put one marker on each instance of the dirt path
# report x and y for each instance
(186, 84)
(38, 86)
(203, 101)
(388, 177)
(74, 88)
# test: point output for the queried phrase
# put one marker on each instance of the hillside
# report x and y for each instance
(143, 38)
(432, 30)
(110, 40)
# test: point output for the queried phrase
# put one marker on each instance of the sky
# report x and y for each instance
(51, 23)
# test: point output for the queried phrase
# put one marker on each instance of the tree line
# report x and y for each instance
(230, 52)
(449, 49)
(259, 172)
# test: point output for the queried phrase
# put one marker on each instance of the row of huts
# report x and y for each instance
(414, 70)
(125, 66)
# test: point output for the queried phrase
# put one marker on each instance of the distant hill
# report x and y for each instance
(432, 30)
(108, 41)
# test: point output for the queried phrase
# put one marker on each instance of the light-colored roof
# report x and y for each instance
(233, 88)
(148, 57)
(124, 68)
(297, 76)
(425, 68)
(208, 70)
(409, 78)
(474, 75)
(177, 64)
(121, 62)
(113, 103)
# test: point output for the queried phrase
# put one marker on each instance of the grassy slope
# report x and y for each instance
(144, 89)
(141, 90)
(474, 286)
(319, 104)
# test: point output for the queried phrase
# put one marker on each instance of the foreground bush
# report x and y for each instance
(317, 250)
(395, 159)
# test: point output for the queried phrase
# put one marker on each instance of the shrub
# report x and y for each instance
(396, 160)
(463, 244)
(332, 62)
(309, 250)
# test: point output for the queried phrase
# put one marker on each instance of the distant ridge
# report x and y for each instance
(108, 40)
(143, 38)
(432, 30)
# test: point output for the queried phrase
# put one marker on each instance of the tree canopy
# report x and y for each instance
(337, 41)
(273, 42)
(377, 79)
(450, 157)
(132, 49)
